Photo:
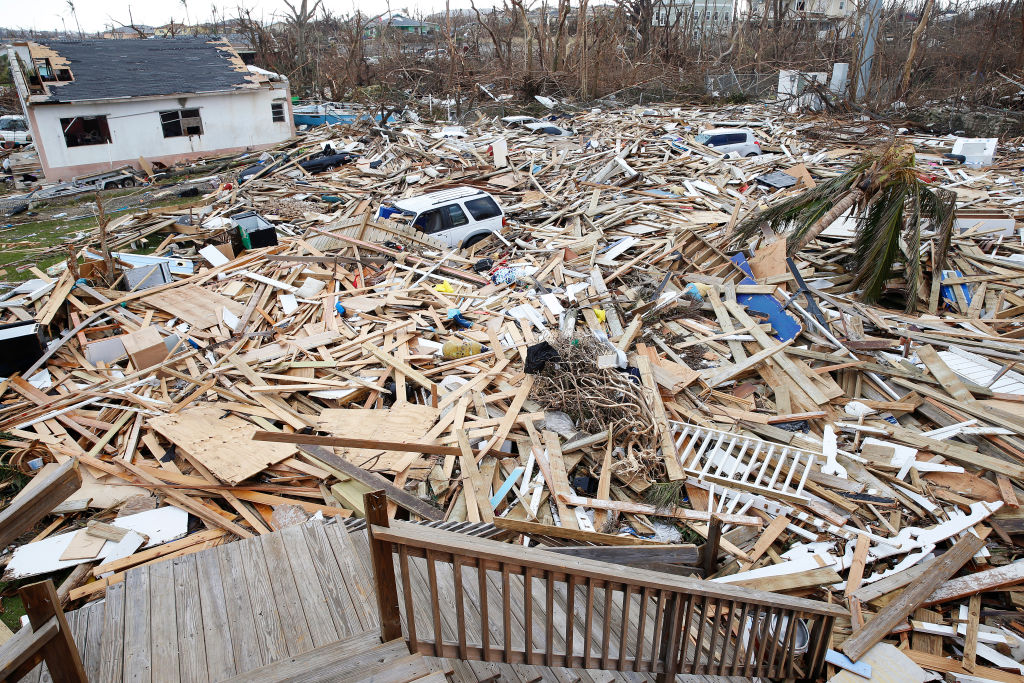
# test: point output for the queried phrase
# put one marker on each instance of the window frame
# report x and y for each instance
(274, 115)
(103, 130)
(449, 218)
(177, 117)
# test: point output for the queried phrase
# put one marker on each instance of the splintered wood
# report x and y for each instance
(610, 369)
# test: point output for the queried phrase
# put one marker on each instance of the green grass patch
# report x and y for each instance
(21, 241)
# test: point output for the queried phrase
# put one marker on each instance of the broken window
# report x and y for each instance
(85, 130)
(430, 222)
(277, 112)
(181, 122)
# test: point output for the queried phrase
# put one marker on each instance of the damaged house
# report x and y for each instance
(94, 105)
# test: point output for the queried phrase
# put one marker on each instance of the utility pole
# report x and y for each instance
(869, 32)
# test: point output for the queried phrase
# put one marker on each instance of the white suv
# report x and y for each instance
(725, 140)
(14, 131)
(459, 218)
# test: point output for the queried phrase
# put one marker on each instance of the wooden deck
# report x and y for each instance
(228, 610)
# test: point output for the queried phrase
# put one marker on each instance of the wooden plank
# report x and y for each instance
(349, 660)
(286, 595)
(477, 491)
(137, 626)
(163, 623)
(893, 582)
(37, 500)
(791, 582)
(327, 571)
(358, 582)
(307, 581)
(191, 644)
(949, 665)
(112, 646)
(24, 650)
(269, 630)
(949, 381)
(911, 598)
(61, 655)
(645, 509)
(375, 481)
(220, 660)
(804, 382)
(245, 644)
(926, 642)
(768, 536)
(92, 649)
(979, 582)
(971, 639)
(632, 554)
(401, 366)
(668, 449)
(860, 555)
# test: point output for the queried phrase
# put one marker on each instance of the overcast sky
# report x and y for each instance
(95, 15)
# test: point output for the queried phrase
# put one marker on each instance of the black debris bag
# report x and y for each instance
(538, 355)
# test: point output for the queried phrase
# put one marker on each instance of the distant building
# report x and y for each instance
(402, 24)
(823, 9)
(696, 13)
(94, 105)
(128, 32)
(826, 11)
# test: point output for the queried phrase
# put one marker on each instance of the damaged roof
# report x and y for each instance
(111, 69)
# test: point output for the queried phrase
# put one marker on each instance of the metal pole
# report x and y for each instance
(869, 31)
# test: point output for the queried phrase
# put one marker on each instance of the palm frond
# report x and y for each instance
(940, 203)
(802, 211)
(877, 245)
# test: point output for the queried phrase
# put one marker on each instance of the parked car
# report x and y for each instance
(435, 55)
(518, 121)
(460, 217)
(14, 130)
(725, 140)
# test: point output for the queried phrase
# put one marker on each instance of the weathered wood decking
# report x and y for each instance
(240, 606)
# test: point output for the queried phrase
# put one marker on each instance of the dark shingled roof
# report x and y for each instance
(105, 69)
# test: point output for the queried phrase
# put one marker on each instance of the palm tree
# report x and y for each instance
(888, 198)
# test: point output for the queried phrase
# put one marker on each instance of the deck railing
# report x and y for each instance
(491, 601)
(45, 639)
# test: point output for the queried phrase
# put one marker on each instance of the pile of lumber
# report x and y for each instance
(623, 375)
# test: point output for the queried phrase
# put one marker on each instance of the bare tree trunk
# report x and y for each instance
(101, 219)
(914, 41)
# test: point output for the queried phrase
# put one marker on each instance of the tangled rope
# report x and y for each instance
(598, 399)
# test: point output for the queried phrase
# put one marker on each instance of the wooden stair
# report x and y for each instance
(360, 659)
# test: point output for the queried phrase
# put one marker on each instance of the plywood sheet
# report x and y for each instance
(405, 423)
(194, 305)
(222, 443)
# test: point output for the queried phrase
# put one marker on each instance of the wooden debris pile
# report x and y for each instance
(623, 372)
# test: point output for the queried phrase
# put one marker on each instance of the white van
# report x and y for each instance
(459, 218)
(725, 140)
